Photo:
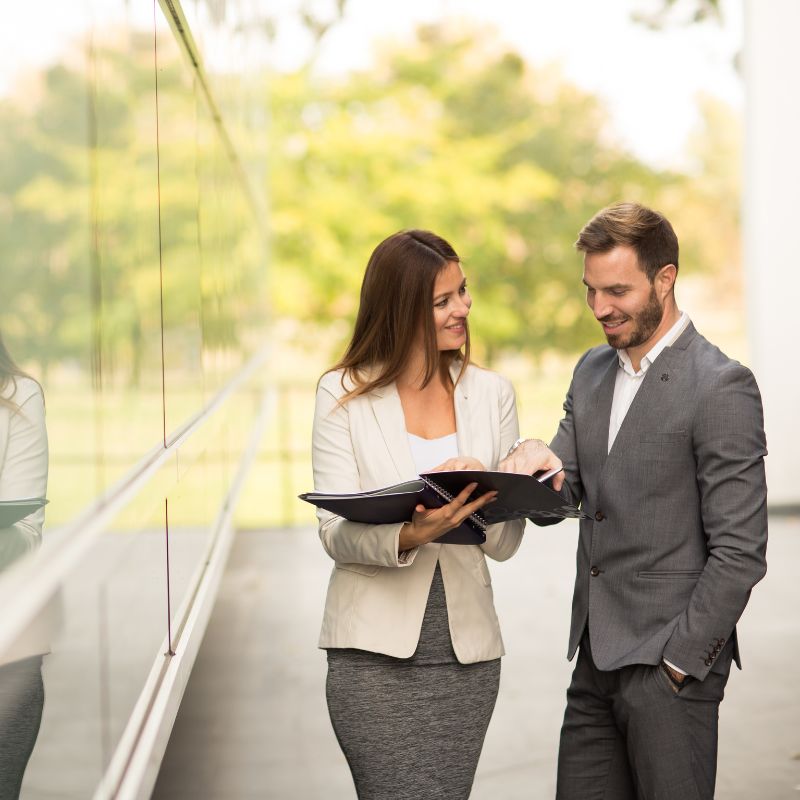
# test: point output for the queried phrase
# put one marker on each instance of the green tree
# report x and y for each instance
(108, 173)
(456, 133)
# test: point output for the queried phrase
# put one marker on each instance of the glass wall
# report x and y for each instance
(132, 314)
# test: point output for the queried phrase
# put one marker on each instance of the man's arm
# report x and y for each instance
(565, 446)
(729, 447)
(532, 455)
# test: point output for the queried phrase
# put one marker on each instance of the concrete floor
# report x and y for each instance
(253, 722)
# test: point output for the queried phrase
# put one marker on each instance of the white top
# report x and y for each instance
(628, 381)
(429, 453)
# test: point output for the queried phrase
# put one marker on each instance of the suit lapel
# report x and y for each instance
(463, 415)
(388, 412)
(655, 395)
(602, 392)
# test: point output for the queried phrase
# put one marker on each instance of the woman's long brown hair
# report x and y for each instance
(396, 303)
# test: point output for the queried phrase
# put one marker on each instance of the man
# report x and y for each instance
(663, 445)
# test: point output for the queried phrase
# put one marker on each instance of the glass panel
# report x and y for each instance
(126, 240)
(120, 200)
(180, 246)
(49, 275)
(105, 627)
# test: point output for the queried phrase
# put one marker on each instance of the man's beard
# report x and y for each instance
(644, 325)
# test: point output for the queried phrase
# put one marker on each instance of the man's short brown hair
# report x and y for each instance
(647, 232)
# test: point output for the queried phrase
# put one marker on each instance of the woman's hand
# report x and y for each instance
(458, 463)
(428, 524)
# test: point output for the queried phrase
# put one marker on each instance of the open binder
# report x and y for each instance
(518, 496)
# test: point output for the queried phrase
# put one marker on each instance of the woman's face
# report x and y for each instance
(451, 304)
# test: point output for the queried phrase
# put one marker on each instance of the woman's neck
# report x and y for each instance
(429, 411)
(413, 376)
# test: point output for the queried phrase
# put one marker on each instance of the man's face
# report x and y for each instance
(621, 297)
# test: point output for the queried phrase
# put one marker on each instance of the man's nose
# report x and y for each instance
(600, 308)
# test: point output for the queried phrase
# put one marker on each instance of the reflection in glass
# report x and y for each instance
(23, 476)
(132, 278)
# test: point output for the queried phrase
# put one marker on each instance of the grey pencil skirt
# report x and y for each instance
(412, 729)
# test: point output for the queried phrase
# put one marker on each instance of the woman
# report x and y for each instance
(23, 475)
(410, 628)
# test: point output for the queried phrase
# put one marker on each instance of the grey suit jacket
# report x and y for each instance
(678, 532)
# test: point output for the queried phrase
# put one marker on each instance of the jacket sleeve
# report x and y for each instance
(503, 539)
(729, 446)
(336, 470)
(565, 447)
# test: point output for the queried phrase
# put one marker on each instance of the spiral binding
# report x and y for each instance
(475, 517)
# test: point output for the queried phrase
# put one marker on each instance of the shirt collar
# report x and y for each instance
(665, 341)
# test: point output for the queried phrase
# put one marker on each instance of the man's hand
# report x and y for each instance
(533, 455)
(677, 677)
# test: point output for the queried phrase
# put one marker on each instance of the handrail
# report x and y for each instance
(133, 769)
(26, 587)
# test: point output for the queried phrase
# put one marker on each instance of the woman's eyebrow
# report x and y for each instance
(445, 294)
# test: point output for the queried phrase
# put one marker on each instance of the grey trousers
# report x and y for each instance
(629, 735)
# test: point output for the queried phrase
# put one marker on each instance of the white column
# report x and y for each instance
(771, 213)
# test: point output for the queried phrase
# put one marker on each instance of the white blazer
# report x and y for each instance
(376, 600)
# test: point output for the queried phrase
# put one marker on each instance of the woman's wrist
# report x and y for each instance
(407, 539)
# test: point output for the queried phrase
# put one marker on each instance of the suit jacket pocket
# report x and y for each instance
(367, 570)
(671, 574)
(664, 446)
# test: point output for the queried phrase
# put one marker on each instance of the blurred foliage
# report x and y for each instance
(451, 131)
(97, 194)
(456, 133)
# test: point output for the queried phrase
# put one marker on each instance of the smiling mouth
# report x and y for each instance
(613, 325)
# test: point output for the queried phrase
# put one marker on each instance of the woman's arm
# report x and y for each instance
(336, 470)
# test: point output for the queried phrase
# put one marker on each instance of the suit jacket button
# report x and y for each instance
(708, 662)
(594, 572)
(599, 516)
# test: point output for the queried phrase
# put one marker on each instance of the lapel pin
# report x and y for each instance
(664, 377)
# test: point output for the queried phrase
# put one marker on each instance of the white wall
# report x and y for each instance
(771, 211)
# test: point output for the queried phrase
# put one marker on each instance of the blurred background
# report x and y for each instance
(189, 193)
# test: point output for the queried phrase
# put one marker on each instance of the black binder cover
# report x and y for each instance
(12, 511)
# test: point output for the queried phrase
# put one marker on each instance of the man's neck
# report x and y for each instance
(636, 354)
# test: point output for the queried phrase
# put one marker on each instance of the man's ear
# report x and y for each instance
(665, 280)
